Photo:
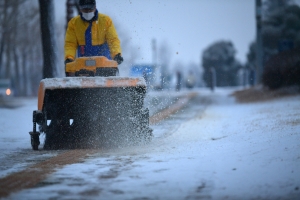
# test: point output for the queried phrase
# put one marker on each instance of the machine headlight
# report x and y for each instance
(8, 92)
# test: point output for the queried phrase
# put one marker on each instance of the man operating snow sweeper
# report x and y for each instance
(92, 106)
(91, 34)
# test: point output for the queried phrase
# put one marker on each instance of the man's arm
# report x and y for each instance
(113, 39)
(70, 41)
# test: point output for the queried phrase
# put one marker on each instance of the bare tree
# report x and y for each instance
(48, 37)
(20, 53)
(3, 22)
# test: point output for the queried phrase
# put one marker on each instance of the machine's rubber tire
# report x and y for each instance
(142, 130)
(35, 141)
(57, 136)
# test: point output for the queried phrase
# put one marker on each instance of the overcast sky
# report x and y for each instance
(188, 26)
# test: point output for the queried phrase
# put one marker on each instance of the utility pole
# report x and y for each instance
(154, 52)
(48, 38)
(154, 60)
(259, 42)
(70, 8)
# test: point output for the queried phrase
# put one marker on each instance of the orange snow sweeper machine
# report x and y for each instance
(94, 108)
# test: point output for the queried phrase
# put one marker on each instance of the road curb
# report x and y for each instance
(165, 113)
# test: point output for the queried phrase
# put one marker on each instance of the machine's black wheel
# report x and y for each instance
(142, 131)
(147, 131)
(57, 135)
(35, 141)
(43, 122)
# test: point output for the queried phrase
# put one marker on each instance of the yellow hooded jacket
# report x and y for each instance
(103, 31)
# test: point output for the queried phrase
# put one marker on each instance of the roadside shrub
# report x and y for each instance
(282, 69)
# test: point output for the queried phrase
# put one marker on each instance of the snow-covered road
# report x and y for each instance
(16, 122)
(213, 149)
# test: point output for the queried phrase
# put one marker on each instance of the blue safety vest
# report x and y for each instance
(88, 49)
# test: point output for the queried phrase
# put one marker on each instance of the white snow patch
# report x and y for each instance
(234, 151)
(91, 82)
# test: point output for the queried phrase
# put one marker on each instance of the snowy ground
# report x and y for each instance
(16, 122)
(213, 149)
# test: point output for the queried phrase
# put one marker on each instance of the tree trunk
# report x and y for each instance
(48, 38)
(4, 34)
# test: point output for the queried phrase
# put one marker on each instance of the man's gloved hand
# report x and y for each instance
(118, 58)
(68, 60)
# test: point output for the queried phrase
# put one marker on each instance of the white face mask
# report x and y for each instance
(88, 16)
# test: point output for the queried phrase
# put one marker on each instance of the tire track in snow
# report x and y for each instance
(34, 174)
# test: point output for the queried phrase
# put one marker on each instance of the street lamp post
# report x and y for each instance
(259, 45)
(69, 6)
